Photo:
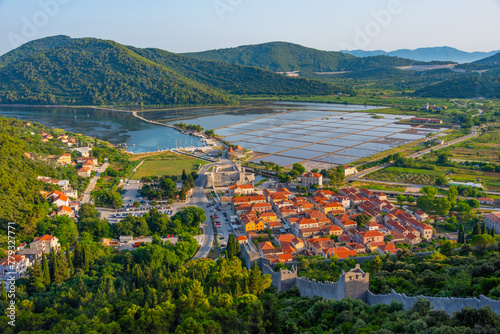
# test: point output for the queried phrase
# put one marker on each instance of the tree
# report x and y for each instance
(442, 206)
(482, 241)
(45, 271)
(484, 229)
(54, 269)
(137, 204)
(66, 230)
(401, 199)
(184, 175)
(442, 159)
(362, 219)
(233, 247)
(299, 168)
(447, 247)
(461, 235)
(424, 203)
(441, 180)
(473, 203)
(476, 230)
(411, 199)
(452, 194)
(375, 265)
(431, 192)
(294, 174)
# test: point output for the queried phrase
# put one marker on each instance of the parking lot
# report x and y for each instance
(223, 221)
(131, 193)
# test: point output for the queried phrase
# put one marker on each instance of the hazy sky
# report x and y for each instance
(195, 25)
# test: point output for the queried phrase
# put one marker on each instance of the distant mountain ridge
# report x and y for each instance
(444, 53)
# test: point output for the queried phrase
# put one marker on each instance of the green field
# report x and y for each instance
(160, 164)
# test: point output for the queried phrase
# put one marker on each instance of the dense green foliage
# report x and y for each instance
(449, 273)
(23, 157)
(282, 56)
(32, 48)
(59, 70)
(237, 79)
(471, 86)
(92, 71)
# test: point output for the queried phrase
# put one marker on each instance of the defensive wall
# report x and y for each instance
(355, 284)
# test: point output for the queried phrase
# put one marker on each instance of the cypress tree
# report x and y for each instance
(184, 175)
(54, 268)
(77, 257)
(85, 258)
(483, 229)
(70, 263)
(45, 271)
(492, 232)
(461, 235)
(476, 230)
(4, 292)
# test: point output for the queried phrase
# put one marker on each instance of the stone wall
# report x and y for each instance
(355, 284)
(283, 280)
(450, 305)
(328, 290)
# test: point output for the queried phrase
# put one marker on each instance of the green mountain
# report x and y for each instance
(277, 56)
(61, 70)
(236, 79)
(32, 48)
(492, 60)
(282, 56)
(93, 71)
(470, 86)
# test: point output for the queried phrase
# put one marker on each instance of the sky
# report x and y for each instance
(197, 25)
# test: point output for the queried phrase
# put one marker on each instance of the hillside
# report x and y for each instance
(236, 79)
(92, 71)
(281, 56)
(492, 60)
(471, 86)
(61, 70)
(277, 56)
(32, 48)
(444, 53)
(20, 198)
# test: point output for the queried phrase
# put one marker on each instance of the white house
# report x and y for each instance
(492, 220)
(14, 266)
(45, 243)
(348, 170)
(311, 179)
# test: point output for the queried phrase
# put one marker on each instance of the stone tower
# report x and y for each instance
(356, 283)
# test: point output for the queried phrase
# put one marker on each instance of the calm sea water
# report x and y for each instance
(122, 127)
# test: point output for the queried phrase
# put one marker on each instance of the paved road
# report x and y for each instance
(199, 199)
(359, 176)
(93, 181)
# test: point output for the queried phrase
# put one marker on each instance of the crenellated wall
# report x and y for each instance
(448, 304)
(355, 284)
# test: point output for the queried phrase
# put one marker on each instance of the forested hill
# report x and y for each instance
(471, 86)
(277, 56)
(34, 47)
(282, 56)
(20, 198)
(237, 79)
(92, 71)
(61, 70)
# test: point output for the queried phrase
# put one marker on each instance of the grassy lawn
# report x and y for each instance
(165, 163)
